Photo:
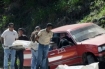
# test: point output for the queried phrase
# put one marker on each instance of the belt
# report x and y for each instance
(8, 47)
(33, 49)
(43, 44)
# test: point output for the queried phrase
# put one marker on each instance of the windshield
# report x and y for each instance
(87, 32)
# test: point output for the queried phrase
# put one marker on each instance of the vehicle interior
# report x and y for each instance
(60, 40)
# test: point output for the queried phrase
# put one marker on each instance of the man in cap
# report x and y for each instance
(44, 36)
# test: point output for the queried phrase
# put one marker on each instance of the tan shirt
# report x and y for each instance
(44, 37)
(34, 45)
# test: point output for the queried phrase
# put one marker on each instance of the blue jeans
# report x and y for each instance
(42, 56)
(34, 58)
(8, 52)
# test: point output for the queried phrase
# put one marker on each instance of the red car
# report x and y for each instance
(86, 45)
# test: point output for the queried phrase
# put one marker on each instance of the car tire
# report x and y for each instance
(89, 58)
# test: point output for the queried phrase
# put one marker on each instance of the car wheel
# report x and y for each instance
(88, 59)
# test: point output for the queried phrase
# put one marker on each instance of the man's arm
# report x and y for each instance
(2, 40)
(38, 35)
(3, 35)
(32, 38)
(51, 34)
(16, 36)
(36, 38)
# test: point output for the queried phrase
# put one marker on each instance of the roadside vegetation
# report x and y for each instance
(29, 13)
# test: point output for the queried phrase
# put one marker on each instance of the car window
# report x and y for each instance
(56, 35)
(58, 38)
(87, 32)
(54, 41)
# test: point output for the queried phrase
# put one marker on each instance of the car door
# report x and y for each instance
(65, 55)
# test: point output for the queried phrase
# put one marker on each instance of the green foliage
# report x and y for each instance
(61, 4)
(73, 2)
(97, 9)
(4, 20)
(102, 12)
(1, 56)
(6, 1)
(29, 13)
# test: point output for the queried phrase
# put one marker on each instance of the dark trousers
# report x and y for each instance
(19, 55)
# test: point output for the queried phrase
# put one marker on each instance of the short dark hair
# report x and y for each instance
(49, 25)
(10, 24)
(22, 30)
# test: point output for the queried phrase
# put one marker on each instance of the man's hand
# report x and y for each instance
(3, 45)
(36, 38)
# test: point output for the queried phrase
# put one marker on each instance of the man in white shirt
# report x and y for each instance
(8, 37)
(44, 36)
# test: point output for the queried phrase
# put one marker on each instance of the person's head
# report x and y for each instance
(37, 28)
(21, 31)
(62, 35)
(11, 26)
(49, 27)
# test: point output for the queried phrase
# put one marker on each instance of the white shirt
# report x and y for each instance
(34, 45)
(44, 37)
(9, 37)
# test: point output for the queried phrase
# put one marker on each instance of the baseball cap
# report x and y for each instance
(37, 27)
(49, 24)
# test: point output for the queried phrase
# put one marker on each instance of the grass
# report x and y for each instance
(97, 11)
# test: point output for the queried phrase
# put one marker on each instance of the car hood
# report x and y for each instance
(99, 40)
